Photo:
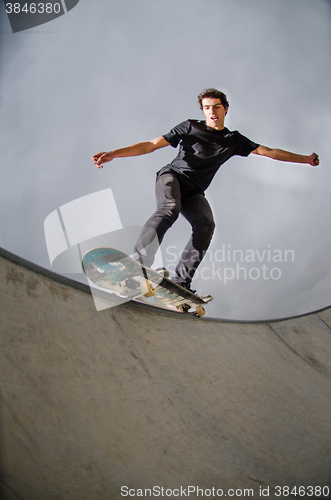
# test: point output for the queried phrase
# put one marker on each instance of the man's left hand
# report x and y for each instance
(313, 160)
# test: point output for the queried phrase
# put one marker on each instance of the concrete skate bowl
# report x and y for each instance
(137, 398)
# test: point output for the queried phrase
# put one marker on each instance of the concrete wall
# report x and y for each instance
(138, 397)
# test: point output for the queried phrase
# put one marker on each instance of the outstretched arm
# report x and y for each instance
(140, 148)
(280, 154)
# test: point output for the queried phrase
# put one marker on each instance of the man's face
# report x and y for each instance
(214, 112)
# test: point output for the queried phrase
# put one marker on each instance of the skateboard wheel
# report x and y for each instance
(200, 311)
(148, 288)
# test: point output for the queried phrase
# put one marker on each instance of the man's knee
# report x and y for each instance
(211, 225)
(206, 226)
(209, 229)
(203, 233)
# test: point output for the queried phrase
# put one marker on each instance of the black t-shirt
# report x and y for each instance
(202, 151)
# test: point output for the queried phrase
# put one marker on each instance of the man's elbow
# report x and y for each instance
(150, 146)
(158, 143)
(265, 151)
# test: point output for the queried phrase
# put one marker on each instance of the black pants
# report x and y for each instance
(173, 198)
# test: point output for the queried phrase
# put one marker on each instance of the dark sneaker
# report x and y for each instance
(187, 287)
(184, 285)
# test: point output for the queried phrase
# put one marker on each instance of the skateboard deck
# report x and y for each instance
(114, 270)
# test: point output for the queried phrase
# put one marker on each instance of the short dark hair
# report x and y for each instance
(214, 94)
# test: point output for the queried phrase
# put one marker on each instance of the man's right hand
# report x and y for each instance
(140, 148)
(313, 160)
(103, 157)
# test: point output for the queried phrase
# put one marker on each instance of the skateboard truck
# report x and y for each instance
(199, 310)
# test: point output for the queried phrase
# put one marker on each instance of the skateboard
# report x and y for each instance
(114, 270)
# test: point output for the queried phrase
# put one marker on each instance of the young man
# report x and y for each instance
(180, 185)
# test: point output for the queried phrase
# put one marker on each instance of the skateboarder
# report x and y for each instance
(204, 146)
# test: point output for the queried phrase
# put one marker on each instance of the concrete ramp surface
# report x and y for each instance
(103, 405)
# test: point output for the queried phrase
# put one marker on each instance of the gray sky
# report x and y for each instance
(109, 73)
